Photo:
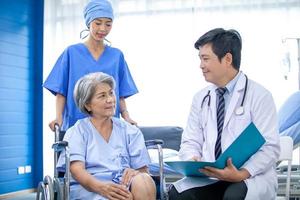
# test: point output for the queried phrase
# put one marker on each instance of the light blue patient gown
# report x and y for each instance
(75, 62)
(289, 117)
(104, 160)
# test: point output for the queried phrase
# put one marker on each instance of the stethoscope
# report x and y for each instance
(239, 110)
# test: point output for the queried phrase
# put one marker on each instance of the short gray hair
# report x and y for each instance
(86, 86)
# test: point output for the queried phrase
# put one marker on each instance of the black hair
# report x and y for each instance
(223, 42)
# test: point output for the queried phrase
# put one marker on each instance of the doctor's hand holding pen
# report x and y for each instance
(230, 173)
(195, 158)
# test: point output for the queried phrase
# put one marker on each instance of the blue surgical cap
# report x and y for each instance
(96, 9)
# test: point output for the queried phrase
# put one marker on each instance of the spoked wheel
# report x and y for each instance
(49, 187)
(41, 192)
(58, 192)
(45, 189)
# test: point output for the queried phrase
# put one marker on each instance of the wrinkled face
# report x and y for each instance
(100, 28)
(103, 102)
(212, 68)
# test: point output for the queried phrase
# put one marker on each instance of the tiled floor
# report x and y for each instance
(30, 196)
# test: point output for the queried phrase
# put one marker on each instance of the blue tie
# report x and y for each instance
(220, 120)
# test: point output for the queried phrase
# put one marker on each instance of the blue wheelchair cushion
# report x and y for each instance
(171, 135)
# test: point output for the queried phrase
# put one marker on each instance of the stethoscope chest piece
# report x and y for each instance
(239, 110)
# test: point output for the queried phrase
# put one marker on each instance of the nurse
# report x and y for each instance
(91, 56)
(219, 113)
(108, 156)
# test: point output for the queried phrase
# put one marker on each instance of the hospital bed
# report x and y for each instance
(160, 138)
(289, 125)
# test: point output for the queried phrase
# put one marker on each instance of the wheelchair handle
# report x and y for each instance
(56, 126)
(60, 146)
(56, 132)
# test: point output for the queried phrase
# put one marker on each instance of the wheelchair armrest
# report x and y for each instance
(59, 146)
(157, 144)
(153, 143)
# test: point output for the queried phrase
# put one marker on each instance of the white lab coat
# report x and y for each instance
(200, 135)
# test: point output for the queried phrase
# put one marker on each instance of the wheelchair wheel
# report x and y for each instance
(58, 190)
(41, 192)
(45, 189)
(49, 187)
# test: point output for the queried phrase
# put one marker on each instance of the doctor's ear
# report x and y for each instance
(228, 58)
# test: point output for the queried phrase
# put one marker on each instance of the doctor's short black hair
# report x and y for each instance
(223, 42)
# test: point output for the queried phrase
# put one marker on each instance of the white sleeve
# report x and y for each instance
(192, 137)
(264, 116)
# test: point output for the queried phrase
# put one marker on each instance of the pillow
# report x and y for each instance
(168, 155)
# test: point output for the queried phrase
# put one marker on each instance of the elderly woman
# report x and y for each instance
(108, 156)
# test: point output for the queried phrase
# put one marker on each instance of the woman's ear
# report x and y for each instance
(88, 107)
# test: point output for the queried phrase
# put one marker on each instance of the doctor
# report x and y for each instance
(216, 120)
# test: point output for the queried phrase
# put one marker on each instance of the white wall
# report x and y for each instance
(165, 65)
(160, 53)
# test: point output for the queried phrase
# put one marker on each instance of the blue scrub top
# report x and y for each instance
(103, 160)
(75, 62)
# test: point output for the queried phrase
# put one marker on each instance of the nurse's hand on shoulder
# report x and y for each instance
(230, 173)
(115, 192)
(130, 121)
(127, 118)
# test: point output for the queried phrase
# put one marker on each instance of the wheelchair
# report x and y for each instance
(162, 138)
(58, 187)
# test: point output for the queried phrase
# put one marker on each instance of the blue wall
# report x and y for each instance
(21, 51)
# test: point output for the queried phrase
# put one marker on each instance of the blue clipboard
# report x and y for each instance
(245, 145)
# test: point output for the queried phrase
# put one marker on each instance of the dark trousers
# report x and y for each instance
(220, 190)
